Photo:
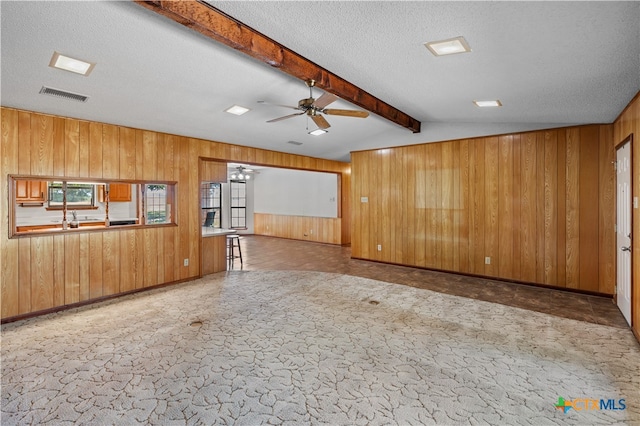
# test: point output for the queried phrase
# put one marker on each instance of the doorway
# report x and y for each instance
(623, 227)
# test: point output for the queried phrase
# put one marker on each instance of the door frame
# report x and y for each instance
(628, 139)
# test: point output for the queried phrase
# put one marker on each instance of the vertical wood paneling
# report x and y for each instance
(561, 200)
(71, 269)
(463, 206)
(506, 199)
(491, 226)
(71, 147)
(9, 143)
(183, 202)
(149, 155)
(24, 276)
(138, 258)
(550, 208)
(589, 173)
(522, 197)
(150, 260)
(41, 273)
(110, 151)
(110, 263)
(58, 270)
(193, 189)
(528, 207)
(420, 197)
(477, 219)
(607, 212)
(85, 145)
(95, 265)
(541, 238)
(128, 261)
(127, 153)
(95, 150)
(572, 206)
(517, 204)
(168, 238)
(84, 270)
(41, 145)
(58, 146)
(446, 206)
(24, 139)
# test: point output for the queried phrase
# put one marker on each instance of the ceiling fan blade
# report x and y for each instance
(320, 121)
(285, 117)
(278, 105)
(346, 113)
(324, 100)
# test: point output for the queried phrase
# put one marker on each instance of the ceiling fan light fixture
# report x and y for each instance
(67, 63)
(318, 132)
(488, 104)
(237, 110)
(448, 47)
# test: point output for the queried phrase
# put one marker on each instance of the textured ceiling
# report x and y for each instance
(550, 63)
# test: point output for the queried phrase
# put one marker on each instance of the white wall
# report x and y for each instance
(296, 193)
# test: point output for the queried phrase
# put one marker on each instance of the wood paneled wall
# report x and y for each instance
(540, 205)
(44, 272)
(629, 123)
(318, 229)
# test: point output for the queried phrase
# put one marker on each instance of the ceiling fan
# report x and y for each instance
(315, 107)
(242, 173)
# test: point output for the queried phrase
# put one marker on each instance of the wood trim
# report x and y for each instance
(220, 27)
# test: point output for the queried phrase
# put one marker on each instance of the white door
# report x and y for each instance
(623, 226)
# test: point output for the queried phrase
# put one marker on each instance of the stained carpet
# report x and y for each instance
(313, 348)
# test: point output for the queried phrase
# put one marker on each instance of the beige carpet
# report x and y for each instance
(312, 348)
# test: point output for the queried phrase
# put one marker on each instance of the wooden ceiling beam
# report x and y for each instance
(224, 29)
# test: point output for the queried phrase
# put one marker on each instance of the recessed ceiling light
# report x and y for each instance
(486, 104)
(318, 132)
(449, 46)
(70, 64)
(237, 110)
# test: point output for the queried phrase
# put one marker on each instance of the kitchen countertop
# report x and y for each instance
(81, 219)
(216, 232)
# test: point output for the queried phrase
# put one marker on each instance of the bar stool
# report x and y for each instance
(233, 242)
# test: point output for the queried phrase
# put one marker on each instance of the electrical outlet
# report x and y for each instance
(487, 260)
(311, 232)
(185, 262)
(379, 247)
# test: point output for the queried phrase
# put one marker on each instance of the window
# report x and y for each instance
(49, 205)
(78, 194)
(211, 203)
(238, 204)
(156, 206)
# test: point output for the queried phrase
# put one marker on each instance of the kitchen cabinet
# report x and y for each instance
(118, 192)
(30, 191)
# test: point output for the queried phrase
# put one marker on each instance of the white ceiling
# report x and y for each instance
(550, 63)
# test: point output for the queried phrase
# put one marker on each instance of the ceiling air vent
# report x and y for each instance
(62, 94)
(295, 143)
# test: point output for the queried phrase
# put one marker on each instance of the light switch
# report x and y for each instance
(364, 199)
